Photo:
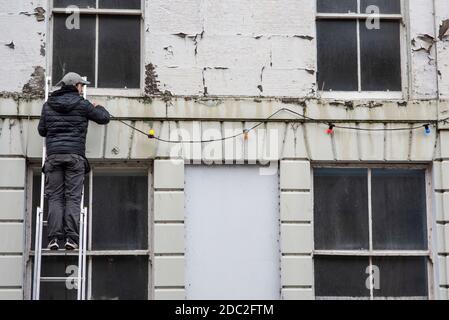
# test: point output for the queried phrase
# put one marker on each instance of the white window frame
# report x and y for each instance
(432, 285)
(135, 92)
(375, 95)
(90, 254)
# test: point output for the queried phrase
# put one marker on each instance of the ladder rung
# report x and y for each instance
(49, 253)
(59, 250)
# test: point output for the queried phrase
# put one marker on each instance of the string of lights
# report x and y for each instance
(330, 128)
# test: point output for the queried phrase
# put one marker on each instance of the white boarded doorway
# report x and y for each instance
(232, 233)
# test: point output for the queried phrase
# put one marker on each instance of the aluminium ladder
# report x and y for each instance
(80, 279)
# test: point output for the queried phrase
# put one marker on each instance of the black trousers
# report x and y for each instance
(64, 175)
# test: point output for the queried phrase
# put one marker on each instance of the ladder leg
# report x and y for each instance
(84, 251)
(37, 256)
(40, 217)
(80, 256)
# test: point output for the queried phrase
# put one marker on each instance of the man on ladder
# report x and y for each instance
(64, 123)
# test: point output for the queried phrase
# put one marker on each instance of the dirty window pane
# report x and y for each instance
(337, 55)
(340, 6)
(36, 202)
(399, 209)
(341, 209)
(79, 3)
(341, 276)
(119, 4)
(120, 211)
(381, 57)
(56, 291)
(385, 6)
(119, 52)
(61, 266)
(74, 49)
(120, 278)
(402, 277)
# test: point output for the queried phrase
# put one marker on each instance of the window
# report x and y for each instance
(232, 235)
(117, 240)
(370, 221)
(105, 46)
(356, 52)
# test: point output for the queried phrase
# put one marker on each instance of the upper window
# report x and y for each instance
(359, 45)
(100, 39)
(370, 222)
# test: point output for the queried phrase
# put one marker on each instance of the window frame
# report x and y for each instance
(91, 254)
(119, 92)
(403, 21)
(432, 285)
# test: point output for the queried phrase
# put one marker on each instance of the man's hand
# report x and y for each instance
(94, 104)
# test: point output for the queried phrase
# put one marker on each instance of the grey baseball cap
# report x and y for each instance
(72, 79)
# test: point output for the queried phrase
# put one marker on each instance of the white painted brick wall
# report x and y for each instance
(24, 31)
(182, 38)
(169, 174)
(169, 206)
(12, 204)
(296, 271)
(11, 271)
(295, 175)
(296, 238)
(12, 173)
(424, 73)
(11, 294)
(169, 271)
(442, 14)
(11, 238)
(170, 294)
(297, 294)
(169, 238)
(296, 206)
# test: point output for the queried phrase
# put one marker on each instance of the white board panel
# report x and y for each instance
(232, 233)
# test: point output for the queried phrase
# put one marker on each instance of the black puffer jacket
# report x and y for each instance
(64, 121)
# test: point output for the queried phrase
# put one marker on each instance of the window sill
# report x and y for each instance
(129, 93)
(364, 95)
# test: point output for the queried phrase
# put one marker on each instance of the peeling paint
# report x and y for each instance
(311, 71)
(169, 50)
(426, 43)
(310, 38)
(181, 35)
(195, 40)
(151, 81)
(444, 27)
(204, 83)
(36, 85)
(42, 51)
(39, 13)
(350, 105)
(11, 45)
(297, 101)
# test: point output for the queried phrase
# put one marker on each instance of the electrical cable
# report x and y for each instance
(426, 125)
